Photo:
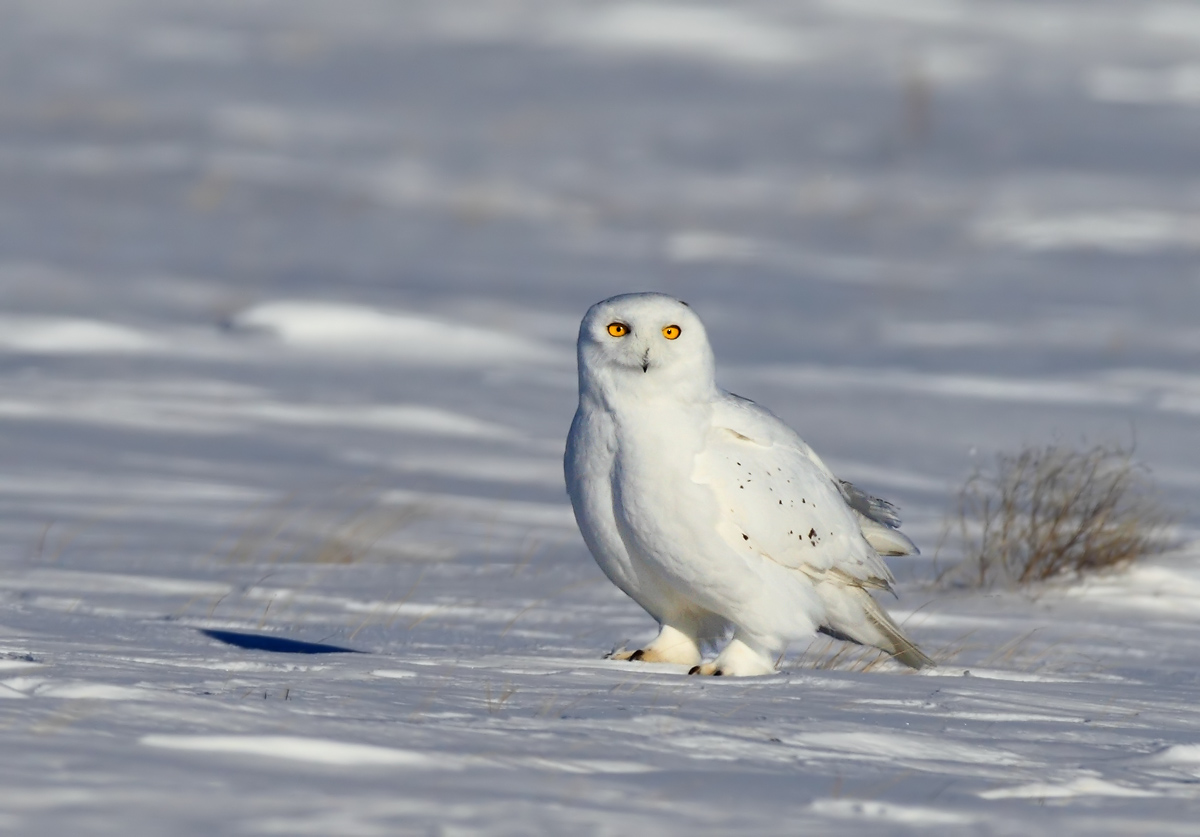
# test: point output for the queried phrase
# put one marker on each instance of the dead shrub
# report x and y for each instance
(1053, 511)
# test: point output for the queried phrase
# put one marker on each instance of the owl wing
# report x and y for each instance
(777, 498)
(878, 520)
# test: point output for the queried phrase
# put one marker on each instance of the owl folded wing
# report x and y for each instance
(778, 500)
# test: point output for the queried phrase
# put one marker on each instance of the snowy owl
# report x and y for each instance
(710, 512)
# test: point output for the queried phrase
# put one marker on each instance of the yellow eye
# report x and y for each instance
(671, 332)
(618, 329)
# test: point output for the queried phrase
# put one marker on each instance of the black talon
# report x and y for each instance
(717, 673)
(694, 670)
(636, 655)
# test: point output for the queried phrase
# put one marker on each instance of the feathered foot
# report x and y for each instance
(670, 646)
(737, 660)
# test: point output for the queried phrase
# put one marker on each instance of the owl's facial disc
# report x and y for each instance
(631, 341)
(643, 333)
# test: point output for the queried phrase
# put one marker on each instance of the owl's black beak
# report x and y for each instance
(646, 361)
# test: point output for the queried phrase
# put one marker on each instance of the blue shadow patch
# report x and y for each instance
(275, 644)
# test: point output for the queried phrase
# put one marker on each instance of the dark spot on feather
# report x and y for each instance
(745, 537)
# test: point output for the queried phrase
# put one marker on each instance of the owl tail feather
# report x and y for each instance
(875, 627)
(898, 645)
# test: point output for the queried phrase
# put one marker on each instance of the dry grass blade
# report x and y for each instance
(835, 655)
(1053, 511)
(335, 534)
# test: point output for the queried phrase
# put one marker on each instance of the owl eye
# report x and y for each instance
(618, 329)
(671, 332)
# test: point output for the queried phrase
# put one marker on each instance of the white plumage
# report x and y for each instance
(708, 510)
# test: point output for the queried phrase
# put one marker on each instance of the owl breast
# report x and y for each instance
(657, 505)
(588, 465)
(629, 478)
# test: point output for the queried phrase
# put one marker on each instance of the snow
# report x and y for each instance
(291, 748)
(696, 32)
(421, 340)
(270, 564)
(61, 335)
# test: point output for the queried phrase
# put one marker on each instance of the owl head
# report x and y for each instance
(647, 343)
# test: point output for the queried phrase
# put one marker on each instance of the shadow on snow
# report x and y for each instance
(275, 644)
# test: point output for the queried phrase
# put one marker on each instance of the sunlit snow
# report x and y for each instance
(288, 297)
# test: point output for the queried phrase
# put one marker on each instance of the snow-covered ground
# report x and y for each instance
(232, 235)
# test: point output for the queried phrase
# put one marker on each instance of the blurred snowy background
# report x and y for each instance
(232, 232)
